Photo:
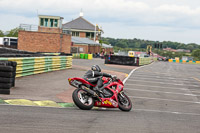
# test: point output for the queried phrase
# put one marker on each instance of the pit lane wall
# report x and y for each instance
(184, 61)
(126, 60)
(35, 65)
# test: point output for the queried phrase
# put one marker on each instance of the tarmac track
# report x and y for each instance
(165, 99)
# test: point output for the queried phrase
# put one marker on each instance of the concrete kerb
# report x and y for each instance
(45, 103)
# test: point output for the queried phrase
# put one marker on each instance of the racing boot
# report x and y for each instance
(98, 91)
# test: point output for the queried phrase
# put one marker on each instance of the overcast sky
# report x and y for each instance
(158, 20)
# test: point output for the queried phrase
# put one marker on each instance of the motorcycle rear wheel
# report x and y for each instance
(124, 102)
(82, 100)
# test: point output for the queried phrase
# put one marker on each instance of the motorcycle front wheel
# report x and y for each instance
(124, 102)
(82, 100)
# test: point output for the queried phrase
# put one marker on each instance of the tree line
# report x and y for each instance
(11, 33)
(139, 43)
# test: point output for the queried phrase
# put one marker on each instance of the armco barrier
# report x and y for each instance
(34, 65)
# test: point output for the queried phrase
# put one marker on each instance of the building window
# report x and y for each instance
(51, 22)
(92, 35)
(75, 33)
(42, 22)
(55, 23)
(46, 22)
(89, 34)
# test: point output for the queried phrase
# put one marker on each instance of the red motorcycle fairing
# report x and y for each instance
(107, 102)
(111, 102)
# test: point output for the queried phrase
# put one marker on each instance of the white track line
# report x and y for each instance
(124, 81)
(149, 98)
(170, 112)
(164, 83)
(154, 82)
(161, 77)
(159, 86)
(185, 94)
(167, 80)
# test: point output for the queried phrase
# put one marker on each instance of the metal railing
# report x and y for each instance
(28, 27)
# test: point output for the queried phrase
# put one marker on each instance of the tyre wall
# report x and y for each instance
(126, 60)
(35, 65)
(7, 76)
(122, 60)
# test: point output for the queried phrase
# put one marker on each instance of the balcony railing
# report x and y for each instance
(28, 27)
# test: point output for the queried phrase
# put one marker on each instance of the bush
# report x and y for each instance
(196, 54)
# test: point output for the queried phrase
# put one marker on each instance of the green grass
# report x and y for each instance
(2, 101)
(66, 105)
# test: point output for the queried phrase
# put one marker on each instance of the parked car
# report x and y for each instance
(161, 58)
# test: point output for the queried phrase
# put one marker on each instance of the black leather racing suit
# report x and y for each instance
(95, 77)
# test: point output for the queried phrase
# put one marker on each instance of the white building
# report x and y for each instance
(8, 41)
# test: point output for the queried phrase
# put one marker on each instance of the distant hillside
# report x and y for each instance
(138, 43)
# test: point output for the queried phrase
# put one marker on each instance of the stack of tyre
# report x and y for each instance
(7, 76)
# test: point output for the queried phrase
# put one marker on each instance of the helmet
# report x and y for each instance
(96, 68)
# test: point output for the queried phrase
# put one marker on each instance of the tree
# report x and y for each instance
(138, 43)
(196, 54)
(13, 32)
(122, 44)
(180, 46)
(1, 33)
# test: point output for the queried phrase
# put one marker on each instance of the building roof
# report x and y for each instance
(106, 46)
(80, 24)
(79, 40)
(50, 16)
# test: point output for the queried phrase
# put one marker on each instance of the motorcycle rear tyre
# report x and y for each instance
(78, 103)
(121, 106)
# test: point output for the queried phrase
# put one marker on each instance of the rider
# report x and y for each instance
(95, 76)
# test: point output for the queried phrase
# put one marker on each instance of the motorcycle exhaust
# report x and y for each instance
(91, 92)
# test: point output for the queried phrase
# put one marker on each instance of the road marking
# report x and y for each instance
(161, 77)
(124, 81)
(196, 79)
(165, 83)
(159, 86)
(162, 92)
(156, 73)
(149, 98)
(168, 80)
(170, 112)
(194, 91)
(155, 82)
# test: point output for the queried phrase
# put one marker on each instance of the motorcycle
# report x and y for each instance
(112, 95)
